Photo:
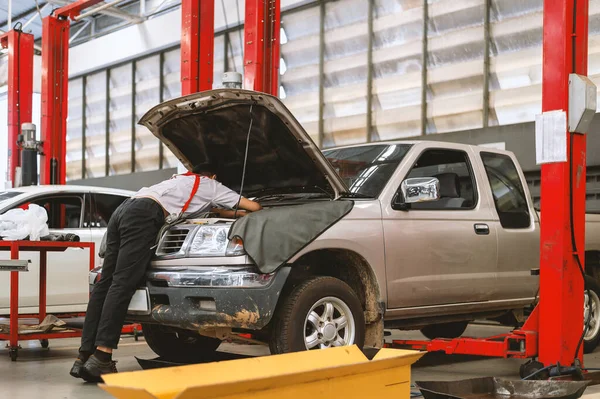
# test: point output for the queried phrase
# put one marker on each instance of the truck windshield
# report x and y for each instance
(367, 169)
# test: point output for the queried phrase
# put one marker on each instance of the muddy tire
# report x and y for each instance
(592, 336)
(179, 346)
(319, 313)
(445, 330)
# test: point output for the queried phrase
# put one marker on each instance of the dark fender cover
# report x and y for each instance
(273, 236)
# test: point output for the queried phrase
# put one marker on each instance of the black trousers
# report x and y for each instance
(131, 236)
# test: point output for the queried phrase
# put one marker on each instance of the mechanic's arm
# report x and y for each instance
(246, 206)
(227, 198)
(228, 213)
(249, 205)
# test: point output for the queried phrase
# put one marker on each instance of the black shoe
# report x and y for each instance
(76, 369)
(93, 369)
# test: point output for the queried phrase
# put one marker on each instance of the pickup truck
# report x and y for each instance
(438, 235)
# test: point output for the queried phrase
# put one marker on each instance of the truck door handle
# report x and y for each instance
(482, 229)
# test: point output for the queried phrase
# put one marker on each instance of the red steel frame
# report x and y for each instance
(553, 330)
(20, 91)
(197, 45)
(43, 248)
(55, 85)
(261, 46)
(561, 283)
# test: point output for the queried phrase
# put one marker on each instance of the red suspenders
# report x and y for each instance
(194, 191)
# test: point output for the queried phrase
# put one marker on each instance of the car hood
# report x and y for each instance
(212, 127)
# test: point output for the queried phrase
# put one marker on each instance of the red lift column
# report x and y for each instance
(20, 91)
(563, 189)
(261, 46)
(55, 85)
(197, 45)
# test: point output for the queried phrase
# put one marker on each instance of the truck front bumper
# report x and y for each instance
(211, 297)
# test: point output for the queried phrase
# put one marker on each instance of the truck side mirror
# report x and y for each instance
(414, 190)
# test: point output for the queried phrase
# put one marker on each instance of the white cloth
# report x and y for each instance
(18, 224)
(172, 194)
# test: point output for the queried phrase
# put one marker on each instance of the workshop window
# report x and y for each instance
(507, 190)
(104, 206)
(453, 170)
(63, 212)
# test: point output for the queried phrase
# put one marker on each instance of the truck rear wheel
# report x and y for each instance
(320, 313)
(445, 330)
(176, 345)
(592, 334)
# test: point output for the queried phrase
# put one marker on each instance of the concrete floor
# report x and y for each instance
(41, 373)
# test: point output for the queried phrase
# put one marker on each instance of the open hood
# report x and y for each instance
(212, 127)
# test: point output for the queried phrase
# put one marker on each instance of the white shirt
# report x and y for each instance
(172, 194)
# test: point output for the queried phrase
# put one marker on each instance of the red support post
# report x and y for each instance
(197, 45)
(55, 84)
(14, 300)
(43, 284)
(563, 189)
(261, 46)
(20, 91)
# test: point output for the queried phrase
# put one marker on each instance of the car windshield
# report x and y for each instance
(367, 169)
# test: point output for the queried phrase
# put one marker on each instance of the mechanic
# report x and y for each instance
(130, 242)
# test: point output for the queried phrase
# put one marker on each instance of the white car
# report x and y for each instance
(81, 210)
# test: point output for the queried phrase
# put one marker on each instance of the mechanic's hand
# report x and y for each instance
(229, 213)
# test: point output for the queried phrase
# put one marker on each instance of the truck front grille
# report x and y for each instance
(172, 242)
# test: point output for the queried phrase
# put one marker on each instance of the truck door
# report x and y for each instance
(441, 252)
(518, 235)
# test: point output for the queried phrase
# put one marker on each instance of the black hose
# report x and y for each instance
(539, 371)
(572, 222)
(574, 244)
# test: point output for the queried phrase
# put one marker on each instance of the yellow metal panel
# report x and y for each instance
(392, 383)
(162, 382)
(337, 371)
(131, 393)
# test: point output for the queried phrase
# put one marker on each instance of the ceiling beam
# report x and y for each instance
(111, 11)
(23, 14)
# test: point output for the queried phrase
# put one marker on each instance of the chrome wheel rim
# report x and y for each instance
(329, 323)
(594, 324)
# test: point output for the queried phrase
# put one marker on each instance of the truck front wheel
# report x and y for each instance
(591, 305)
(177, 345)
(320, 313)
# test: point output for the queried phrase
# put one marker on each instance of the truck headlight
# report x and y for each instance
(235, 247)
(211, 240)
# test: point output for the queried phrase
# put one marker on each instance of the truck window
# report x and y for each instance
(452, 169)
(507, 190)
